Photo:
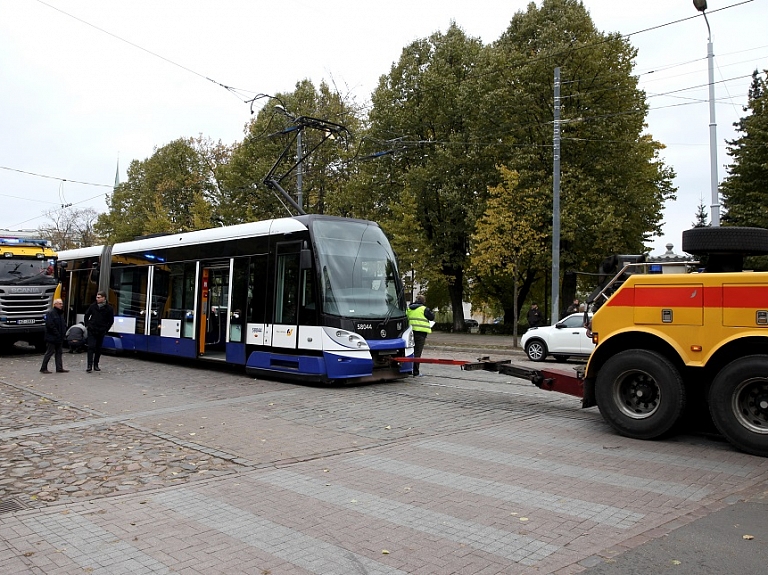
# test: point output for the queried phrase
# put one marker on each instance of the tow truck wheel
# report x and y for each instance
(536, 350)
(640, 394)
(738, 402)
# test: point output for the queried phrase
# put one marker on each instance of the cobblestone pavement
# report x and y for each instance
(43, 457)
(166, 468)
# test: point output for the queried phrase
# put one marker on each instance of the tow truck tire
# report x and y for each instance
(725, 240)
(536, 350)
(640, 394)
(738, 402)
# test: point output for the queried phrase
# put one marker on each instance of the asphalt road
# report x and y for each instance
(153, 467)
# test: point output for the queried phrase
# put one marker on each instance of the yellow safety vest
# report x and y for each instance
(418, 320)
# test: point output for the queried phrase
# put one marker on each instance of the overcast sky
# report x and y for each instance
(83, 82)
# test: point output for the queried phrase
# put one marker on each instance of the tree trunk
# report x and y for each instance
(514, 327)
(456, 291)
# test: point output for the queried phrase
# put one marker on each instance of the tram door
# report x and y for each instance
(285, 312)
(214, 302)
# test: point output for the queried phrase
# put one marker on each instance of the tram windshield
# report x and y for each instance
(358, 271)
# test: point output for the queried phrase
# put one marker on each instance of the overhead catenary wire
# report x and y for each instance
(231, 89)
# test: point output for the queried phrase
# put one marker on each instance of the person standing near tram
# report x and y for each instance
(419, 316)
(98, 321)
(54, 337)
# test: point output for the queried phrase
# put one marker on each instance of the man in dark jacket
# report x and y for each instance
(98, 321)
(534, 315)
(54, 337)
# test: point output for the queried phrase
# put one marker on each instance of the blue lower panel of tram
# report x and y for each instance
(179, 347)
(308, 365)
(236, 353)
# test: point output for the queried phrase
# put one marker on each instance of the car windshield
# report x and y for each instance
(358, 270)
(26, 271)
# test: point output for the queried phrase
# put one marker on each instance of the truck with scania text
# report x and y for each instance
(670, 347)
(28, 283)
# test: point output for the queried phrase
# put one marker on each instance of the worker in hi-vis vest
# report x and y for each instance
(419, 316)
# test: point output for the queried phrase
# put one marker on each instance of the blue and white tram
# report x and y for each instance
(315, 298)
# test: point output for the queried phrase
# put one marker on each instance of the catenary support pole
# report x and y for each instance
(556, 206)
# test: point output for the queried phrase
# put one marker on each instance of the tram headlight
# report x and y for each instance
(347, 338)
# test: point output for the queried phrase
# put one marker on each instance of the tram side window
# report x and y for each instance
(257, 292)
(83, 294)
(160, 300)
(240, 298)
(308, 309)
(287, 288)
(178, 281)
(129, 285)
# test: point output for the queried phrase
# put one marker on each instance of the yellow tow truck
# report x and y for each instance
(667, 345)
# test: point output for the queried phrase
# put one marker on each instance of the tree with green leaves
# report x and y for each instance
(423, 112)
(701, 216)
(613, 181)
(744, 188)
(172, 191)
(506, 240)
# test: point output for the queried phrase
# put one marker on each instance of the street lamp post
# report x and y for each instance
(701, 6)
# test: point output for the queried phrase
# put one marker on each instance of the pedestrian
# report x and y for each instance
(76, 336)
(98, 321)
(54, 337)
(573, 308)
(534, 315)
(419, 316)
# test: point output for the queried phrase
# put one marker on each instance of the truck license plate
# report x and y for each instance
(21, 321)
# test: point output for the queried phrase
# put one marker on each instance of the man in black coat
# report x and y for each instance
(98, 321)
(55, 328)
(534, 315)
